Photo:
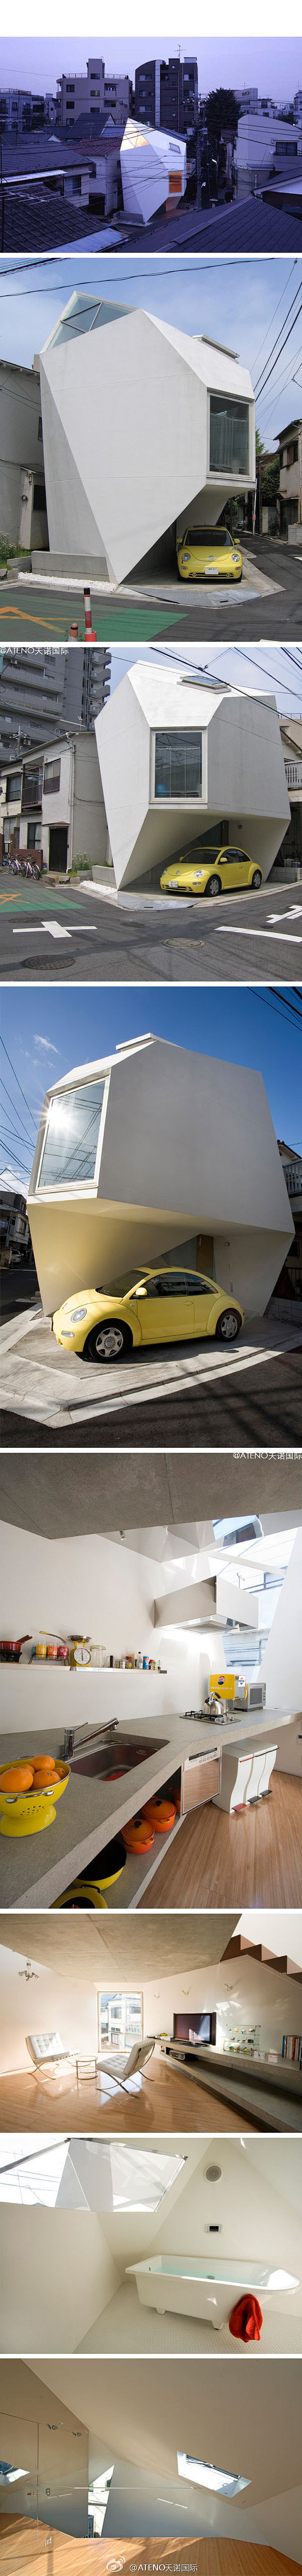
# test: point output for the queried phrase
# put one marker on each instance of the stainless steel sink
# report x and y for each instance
(109, 1761)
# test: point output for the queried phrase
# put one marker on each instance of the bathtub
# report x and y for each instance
(190, 2287)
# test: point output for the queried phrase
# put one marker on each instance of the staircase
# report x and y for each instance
(283, 1966)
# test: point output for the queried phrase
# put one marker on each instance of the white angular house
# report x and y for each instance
(153, 168)
(142, 424)
(180, 760)
(152, 1152)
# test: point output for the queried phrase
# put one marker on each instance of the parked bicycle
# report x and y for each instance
(22, 867)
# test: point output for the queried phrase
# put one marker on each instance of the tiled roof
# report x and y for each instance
(46, 222)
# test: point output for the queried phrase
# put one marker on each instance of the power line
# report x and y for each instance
(16, 1079)
(279, 333)
(271, 371)
(254, 361)
(17, 1113)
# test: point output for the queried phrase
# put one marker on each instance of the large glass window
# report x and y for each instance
(72, 1136)
(229, 435)
(178, 764)
(120, 2020)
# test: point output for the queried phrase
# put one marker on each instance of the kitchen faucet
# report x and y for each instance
(83, 1740)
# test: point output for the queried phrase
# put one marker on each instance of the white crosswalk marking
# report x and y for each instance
(54, 929)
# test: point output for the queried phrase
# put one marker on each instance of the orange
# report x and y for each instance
(44, 1769)
(17, 1777)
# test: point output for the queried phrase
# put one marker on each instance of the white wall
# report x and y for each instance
(281, 1668)
(258, 1995)
(53, 2004)
(93, 1587)
(57, 2274)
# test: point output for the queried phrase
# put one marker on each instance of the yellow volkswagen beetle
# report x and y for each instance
(208, 554)
(163, 1306)
(206, 871)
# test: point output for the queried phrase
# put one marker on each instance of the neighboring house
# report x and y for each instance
(23, 517)
(15, 1238)
(290, 486)
(52, 803)
(290, 857)
(139, 1153)
(264, 144)
(76, 92)
(114, 498)
(179, 761)
(290, 1282)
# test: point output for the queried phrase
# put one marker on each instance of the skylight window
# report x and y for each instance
(127, 2178)
(202, 2473)
(33, 2177)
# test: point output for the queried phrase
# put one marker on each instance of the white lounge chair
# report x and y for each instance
(135, 2064)
(46, 2049)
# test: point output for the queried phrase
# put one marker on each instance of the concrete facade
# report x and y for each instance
(22, 496)
(113, 380)
(153, 167)
(242, 774)
(141, 1193)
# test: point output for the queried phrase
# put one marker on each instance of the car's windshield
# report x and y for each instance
(210, 537)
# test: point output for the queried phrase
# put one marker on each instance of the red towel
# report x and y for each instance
(246, 2320)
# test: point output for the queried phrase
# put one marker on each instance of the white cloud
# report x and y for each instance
(46, 1042)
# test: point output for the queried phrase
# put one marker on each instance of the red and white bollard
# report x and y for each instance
(90, 631)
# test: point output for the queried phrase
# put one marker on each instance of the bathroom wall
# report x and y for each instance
(57, 2274)
(95, 1587)
(254, 2219)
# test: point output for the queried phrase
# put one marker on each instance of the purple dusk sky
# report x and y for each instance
(273, 63)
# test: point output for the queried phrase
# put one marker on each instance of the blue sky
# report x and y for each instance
(244, 303)
(274, 63)
(46, 1032)
(268, 667)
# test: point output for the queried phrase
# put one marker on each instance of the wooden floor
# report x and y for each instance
(21, 2546)
(162, 2100)
(252, 1858)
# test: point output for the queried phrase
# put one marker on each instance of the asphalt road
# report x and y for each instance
(262, 1407)
(65, 932)
(33, 614)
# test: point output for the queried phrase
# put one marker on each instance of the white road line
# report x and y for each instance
(235, 930)
(54, 930)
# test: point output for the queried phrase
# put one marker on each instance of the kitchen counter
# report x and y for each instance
(36, 1869)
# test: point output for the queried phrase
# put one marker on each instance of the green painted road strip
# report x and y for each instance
(35, 615)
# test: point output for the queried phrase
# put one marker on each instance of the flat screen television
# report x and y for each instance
(195, 2026)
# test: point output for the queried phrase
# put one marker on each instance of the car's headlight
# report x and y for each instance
(78, 1313)
(185, 558)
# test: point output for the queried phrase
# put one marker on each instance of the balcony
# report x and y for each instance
(32, 792)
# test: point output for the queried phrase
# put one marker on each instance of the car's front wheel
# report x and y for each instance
(108, 1342)
(257, 878)
(229, 1325)
(214, 885)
